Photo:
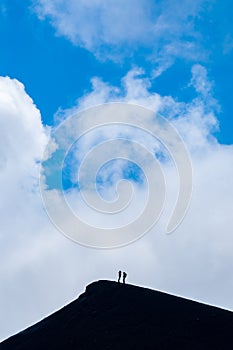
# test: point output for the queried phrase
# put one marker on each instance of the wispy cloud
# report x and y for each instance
(114, 30)
(228, 44)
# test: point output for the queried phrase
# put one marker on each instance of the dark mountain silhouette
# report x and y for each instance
(111, 315)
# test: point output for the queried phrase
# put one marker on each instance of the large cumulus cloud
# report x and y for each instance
(41, 270)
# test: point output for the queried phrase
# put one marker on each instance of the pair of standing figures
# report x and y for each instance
(124, 276)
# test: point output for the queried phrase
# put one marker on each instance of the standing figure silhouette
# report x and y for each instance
(124, 276)
(119, 276)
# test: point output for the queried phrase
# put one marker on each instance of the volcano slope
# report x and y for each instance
(111, 315)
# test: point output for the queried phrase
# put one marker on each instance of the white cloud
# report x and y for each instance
(113, 29)
(22, 140)
(196, 258)
(40, 270)
(196, 121)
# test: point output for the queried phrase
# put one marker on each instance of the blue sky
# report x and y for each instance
(56, 71)
(64, 56)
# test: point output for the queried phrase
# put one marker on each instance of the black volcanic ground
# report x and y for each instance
(114, 316)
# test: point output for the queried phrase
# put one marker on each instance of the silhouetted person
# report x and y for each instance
(119, 276)
(124, 276)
